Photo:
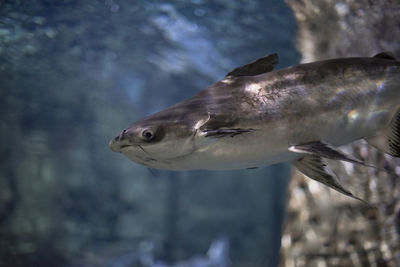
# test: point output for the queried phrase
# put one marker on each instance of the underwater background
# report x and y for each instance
(72, 75)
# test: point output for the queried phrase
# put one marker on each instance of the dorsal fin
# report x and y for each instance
(261, 65)
(386, 55)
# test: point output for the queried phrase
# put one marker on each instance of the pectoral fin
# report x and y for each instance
(225, 132)
(313, 167)
(325, 151)
(221, 126)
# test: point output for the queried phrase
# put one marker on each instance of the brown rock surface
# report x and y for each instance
(324, 228)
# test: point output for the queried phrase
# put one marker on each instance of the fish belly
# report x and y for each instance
(248, 150)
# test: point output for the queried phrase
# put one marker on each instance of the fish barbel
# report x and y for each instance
(256, 116)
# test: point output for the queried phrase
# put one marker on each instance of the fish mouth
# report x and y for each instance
(117, 145)
(143, 158)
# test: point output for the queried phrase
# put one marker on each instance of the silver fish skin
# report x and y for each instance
(256, 116)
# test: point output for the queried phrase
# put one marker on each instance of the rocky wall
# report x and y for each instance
(323, 227)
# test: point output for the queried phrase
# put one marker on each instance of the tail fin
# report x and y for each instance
(388, 140)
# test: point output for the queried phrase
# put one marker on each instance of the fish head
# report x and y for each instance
(159, 141)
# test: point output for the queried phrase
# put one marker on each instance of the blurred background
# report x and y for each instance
(75, 73)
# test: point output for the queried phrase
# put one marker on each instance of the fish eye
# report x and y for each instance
(147, 135)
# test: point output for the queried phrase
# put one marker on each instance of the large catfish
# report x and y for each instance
(256, 116)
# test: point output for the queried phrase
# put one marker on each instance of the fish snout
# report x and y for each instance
(122, 135)
(114, 144)
(120, 141)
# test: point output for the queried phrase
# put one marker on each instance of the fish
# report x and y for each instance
(257, 116)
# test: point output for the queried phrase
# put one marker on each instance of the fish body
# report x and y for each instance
(256, 117)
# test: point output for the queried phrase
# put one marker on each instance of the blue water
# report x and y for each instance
(72, 75)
